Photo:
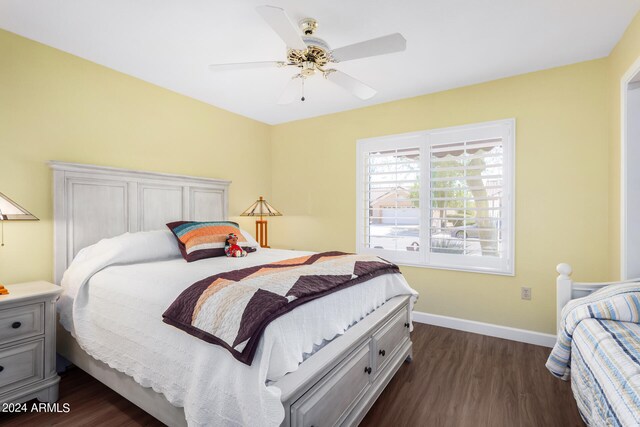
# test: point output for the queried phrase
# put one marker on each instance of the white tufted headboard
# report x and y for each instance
(94, 202)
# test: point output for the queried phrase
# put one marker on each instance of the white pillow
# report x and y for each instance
(251, 242)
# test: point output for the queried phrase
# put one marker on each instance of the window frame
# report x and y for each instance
(423, 140)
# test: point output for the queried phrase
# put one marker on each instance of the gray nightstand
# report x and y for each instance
(28, 342)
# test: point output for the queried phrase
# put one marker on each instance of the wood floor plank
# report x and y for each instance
(456, 379)
(464, 379)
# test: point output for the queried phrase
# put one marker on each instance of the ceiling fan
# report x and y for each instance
(313, 55)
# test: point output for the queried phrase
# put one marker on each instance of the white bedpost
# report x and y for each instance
(564, 286)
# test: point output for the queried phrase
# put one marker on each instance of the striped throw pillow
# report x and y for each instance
(199, 240)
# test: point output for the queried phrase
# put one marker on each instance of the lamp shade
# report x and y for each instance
(11, 211)
(261, 208)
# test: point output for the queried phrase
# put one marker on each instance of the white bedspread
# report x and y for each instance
(116, 291)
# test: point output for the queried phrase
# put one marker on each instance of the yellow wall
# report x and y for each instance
(561, 186)
(626, 52)
(55, 106)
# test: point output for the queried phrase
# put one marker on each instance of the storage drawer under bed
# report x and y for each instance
(389, 338)
(342, 395)
(332, 398)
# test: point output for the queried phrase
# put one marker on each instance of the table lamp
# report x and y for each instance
(261, 208)
(11, 211)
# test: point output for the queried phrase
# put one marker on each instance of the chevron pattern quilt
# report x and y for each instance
(232, 309)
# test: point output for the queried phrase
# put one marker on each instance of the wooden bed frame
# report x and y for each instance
(336, 385)
(567, 289)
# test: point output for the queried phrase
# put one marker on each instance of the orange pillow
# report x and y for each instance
(199, 240)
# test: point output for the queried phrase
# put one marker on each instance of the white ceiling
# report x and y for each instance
(450, 43)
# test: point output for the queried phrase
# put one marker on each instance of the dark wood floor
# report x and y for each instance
(455, 379)
(463, 379)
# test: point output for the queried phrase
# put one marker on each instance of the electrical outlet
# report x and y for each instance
(525, 293)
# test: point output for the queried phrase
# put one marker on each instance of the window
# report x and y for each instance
(441, 198)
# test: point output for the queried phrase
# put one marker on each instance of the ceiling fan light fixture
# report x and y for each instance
(317, 52)
(308, 68)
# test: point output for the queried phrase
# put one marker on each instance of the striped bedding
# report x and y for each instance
(605, 372)
(598, 347)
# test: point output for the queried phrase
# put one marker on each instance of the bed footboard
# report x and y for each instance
(338, 385)
(567, 289)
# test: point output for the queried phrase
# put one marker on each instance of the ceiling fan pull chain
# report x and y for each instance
(302, 99)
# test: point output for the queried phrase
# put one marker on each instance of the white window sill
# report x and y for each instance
(452, 268)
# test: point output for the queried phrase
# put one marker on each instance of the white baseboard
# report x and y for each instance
(506, 332)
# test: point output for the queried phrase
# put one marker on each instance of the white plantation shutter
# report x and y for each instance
(390, 211)
(469, 206)
(439, 198)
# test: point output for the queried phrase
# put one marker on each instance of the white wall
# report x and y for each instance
(633, 180)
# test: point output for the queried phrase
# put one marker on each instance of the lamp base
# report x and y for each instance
(261, 233)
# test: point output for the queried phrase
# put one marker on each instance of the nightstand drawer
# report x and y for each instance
(21, 322)
(21, 365)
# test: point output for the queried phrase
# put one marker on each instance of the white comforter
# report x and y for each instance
(116, 291)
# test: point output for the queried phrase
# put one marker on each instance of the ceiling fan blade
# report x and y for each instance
(291, 91)
(379, 46)
(282, 25)
(351, 85)
(245, 65)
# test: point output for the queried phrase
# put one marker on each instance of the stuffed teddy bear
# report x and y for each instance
(231, 247)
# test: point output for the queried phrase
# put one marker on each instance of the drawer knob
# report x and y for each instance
(406, 325)
(16, 325)
(381, 353)
(368, 370)
(1, 368)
